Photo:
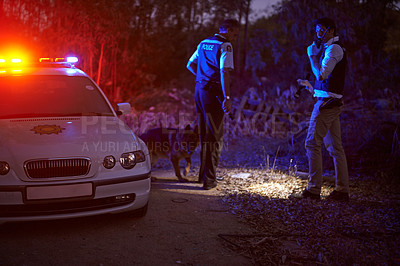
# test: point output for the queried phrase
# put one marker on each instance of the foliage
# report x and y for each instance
(127, 46)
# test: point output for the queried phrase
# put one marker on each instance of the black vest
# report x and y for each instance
(335, 81)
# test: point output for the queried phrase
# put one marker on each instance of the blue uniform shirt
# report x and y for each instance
(211, 56)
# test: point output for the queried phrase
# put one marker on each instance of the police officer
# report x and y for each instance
(211, 63)
(328, 63)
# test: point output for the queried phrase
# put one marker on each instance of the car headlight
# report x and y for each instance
(4, 168)
(140, 157)
(128, 160)
(109, 162)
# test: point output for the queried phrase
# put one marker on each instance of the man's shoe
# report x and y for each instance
(305, 194)
(220, 178)
(209, 186)
(339, 196)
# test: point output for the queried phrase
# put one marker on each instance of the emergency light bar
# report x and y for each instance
(10, 65)
(70, 59)
(12, 60)
(14, 65)
(45, 59)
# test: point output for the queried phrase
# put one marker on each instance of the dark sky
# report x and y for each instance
(262, 8)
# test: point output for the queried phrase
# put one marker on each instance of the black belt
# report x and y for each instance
(210, 86)
(329, 102)
(324, 98)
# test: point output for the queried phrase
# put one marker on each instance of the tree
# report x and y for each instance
(278, 44)
(128, 45)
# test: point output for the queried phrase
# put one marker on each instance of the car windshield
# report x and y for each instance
(50, 96)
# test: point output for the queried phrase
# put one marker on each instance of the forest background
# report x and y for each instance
(137, 51)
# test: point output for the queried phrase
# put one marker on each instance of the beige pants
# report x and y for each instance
(325, 128)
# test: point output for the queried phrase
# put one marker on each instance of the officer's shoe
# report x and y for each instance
(220, 178)
(209, 186)
(339, 196)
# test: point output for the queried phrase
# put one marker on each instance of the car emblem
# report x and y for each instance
(47, 129)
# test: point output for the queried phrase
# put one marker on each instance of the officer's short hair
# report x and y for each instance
(228, 24)
(326, 22)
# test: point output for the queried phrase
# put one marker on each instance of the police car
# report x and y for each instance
(63, 150)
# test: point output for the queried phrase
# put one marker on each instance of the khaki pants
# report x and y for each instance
(325, 128)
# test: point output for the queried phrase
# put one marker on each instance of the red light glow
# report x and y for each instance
(45, 59)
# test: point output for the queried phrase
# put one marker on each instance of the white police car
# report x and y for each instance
(63, 150)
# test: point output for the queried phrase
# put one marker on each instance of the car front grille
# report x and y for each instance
(57, 167)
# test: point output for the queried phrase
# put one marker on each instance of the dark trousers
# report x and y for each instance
(210, 118)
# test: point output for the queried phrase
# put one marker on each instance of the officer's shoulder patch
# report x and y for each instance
(229, 48)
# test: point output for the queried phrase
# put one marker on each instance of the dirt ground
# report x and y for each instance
(181, 228)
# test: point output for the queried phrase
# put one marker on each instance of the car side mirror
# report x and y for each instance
(123, 108)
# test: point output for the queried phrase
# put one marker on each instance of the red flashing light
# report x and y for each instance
(45, 59)
(71, 59)
(12, 60)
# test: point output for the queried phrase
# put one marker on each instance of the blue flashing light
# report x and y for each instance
(72, 59)
(71, 71)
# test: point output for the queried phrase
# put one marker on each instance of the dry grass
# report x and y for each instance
(365, 231)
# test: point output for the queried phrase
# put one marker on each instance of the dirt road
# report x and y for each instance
(181, 227)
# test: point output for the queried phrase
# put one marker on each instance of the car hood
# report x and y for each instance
(92, 136)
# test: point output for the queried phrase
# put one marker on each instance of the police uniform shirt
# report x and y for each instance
(212, 55)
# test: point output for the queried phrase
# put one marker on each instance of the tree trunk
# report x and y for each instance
(245, 38)
(238, 40)
(100, 62)
(117, 95)
(1, 8)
